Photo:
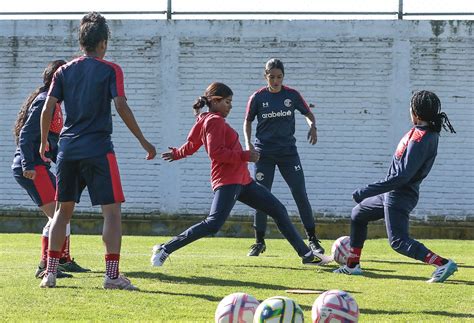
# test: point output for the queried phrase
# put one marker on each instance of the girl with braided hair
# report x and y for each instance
(397, 195)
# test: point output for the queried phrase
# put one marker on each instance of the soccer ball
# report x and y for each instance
(278, 309)
(236, 308)
(335, 306)
(341, 249)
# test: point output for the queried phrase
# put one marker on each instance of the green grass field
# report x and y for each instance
(193, 281)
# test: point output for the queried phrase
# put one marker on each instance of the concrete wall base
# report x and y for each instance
(236, 226)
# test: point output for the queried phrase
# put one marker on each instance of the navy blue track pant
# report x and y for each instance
(396, 222)
(292, 172)
(255, 196)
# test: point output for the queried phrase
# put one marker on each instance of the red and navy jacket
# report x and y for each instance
(228, 160)
(411, 163)
(27, 152)
(87, 86)
(275, 114)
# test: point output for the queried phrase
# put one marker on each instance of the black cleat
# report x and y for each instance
(314, 245)
(256, 249)
(72, 267)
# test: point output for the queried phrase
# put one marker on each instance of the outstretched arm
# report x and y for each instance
(128, 118)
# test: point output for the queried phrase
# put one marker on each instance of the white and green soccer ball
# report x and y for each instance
(278, 309)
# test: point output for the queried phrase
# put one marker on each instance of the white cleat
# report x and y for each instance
(48, 281)
(356, 271)
(121, 282)
(159, 255)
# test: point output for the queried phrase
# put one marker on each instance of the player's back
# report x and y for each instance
(87, 86)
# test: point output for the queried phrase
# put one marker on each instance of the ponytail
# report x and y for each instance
(199, 104)
(441, 120)
(48, 74)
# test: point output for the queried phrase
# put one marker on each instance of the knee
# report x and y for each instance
(356, 214)
(213, 226)
(397, 243)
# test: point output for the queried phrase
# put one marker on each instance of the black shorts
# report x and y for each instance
(99, 174)
(42, 190)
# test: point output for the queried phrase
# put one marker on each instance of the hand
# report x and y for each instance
(30, 174)
(150, 149)
(254, 156)
(249, 146)
(168, 156)
(42, 151)
(312, 135)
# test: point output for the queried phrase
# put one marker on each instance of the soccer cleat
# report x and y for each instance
(256, 249)
(48, 281)
(316, 259)
(314, 245)
(443, 272)
(41, 272)
(121, 282)
(159, 255)
(348, 270)
(72, 267)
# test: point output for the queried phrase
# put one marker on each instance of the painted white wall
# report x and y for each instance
(358, 74)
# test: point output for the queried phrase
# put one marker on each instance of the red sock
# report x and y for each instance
(53, 261)
(65, 256)
(354, 257)
(44, 248)
(112, 265)
(435, 260)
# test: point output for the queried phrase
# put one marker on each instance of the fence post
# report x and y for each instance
(168, 10)
(400, 9)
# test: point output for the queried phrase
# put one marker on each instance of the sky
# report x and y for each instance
(410, 6)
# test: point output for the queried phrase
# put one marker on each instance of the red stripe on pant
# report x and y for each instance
(43, 185)
(115, 177)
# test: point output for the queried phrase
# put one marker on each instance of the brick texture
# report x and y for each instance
(358, 75)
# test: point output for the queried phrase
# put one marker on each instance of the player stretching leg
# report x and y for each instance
(274, 106)
(230, 178)
(396, 196)
(33, 173)
(86, 156)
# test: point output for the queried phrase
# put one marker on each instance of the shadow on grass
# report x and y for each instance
(205, 281)
(202, 296)
(303, 268)
(437, 313)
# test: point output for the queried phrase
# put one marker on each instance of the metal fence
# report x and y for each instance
(170, 14)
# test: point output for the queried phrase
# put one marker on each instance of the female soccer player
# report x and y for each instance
(274, 106)
(86, 155)
(230, 178)
(33, 174)
(397, 195)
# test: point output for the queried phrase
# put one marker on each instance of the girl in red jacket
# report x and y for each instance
(230, 178)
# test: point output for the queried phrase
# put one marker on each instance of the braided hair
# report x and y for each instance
(427, 107)
(215, 90)
(48, 74)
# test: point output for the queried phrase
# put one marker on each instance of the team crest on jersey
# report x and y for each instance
(265, 105)
(259, 176)
(412, 135)
(287, 103)
(297, 168)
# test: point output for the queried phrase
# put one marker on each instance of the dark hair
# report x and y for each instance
(427, 107)
(215, 90)
(274, 63)
(48, 74)
(92, 31)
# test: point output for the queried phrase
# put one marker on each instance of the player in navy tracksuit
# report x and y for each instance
(397, 195)
(32, 173)
(86, 157)
(274, 106)
(230, 178)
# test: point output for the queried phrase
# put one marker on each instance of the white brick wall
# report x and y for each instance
(358, 74)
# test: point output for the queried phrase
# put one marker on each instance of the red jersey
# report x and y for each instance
(228, 159)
